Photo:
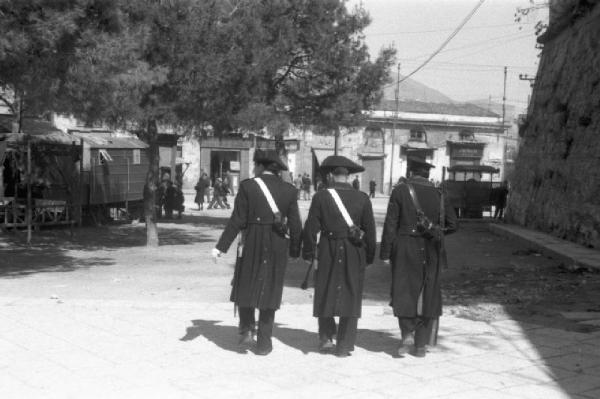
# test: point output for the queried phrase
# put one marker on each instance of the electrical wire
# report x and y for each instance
(504, 38)
(489, 48)
(446, 30)
(458, 28)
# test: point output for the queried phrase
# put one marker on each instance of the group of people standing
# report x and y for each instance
(303, 184)
(338, 242)
(220, 189)
(169, 197)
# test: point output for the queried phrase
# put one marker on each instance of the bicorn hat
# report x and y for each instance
(268, 157)
(333, 162)
(420, 163)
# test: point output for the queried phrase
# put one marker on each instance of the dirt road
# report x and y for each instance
(489, 277)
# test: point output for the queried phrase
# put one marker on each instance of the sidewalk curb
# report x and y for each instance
(570, 253)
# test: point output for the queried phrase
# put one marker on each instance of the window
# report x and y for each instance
(466, 135)
(136, 157)
(104, 156)
(418, 135)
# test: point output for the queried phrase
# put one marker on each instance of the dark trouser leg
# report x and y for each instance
(346, 334)
(423, 332)
(265, 330)
(247, 320)
(420, 326)
(407, 326)
(327, 328)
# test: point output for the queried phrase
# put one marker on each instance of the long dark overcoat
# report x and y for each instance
(416, 262)
(259, 272)
(341, 265)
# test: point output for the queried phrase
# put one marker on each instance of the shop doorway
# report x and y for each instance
(373, 172)
(225, 164)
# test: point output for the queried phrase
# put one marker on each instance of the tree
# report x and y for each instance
(279, 61)
(38, 39)
(230, 65)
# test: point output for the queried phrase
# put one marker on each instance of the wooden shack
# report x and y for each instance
(40, 180)
(113, 169)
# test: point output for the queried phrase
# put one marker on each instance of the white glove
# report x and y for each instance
(216, 254)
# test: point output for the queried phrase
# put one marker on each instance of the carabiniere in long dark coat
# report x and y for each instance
(341, 265)
(259, 274)
(415, 261)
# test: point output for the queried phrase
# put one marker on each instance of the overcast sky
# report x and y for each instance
(471, 65)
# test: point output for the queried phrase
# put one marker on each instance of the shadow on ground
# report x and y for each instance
(51, 249)
(227, 337)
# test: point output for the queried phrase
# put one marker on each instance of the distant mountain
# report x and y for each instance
(412, 90)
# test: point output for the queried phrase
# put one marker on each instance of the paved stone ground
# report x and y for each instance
(114, 320)
(131, 349)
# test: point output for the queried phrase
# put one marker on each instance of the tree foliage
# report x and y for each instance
(229, 65)
(38, 40)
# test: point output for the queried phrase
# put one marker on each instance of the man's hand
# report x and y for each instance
(216, 254)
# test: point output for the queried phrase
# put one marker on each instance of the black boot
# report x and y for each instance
(247, 340)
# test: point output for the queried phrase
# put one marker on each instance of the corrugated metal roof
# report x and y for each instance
(102, 141)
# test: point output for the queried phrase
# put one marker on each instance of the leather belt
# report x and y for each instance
(334, 235)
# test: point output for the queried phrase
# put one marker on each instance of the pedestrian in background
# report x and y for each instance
(201, 187)
(413, 243)
(179, 200)
(268, 236)
(372, 186)
(344, 218)
(356, 183)
(298, 184)
(170, 194)
(500, 195)
(306, 183)
(218, 194)
(159, 199)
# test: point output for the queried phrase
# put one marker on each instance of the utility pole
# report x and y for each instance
(531, 80)
(504, 100)
(503, 131)
(397, 95)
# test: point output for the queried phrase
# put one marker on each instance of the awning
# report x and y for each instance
(321, 154)
(473, 168)
(371, 155)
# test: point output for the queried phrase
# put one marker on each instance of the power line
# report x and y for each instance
(443, 30)
(516, 35)
(467, 18)
(487, 48)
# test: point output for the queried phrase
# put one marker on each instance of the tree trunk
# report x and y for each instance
(151, 185)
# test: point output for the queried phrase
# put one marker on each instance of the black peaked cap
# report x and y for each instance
(269, 156)
(332, 162)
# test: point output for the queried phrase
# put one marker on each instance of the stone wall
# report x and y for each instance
(556, 184)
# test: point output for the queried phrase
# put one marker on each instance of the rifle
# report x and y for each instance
(435, 323)
(238, 265)
(314, 263)
(442, 253)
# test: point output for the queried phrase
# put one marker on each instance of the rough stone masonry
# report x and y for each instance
(556, 185)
